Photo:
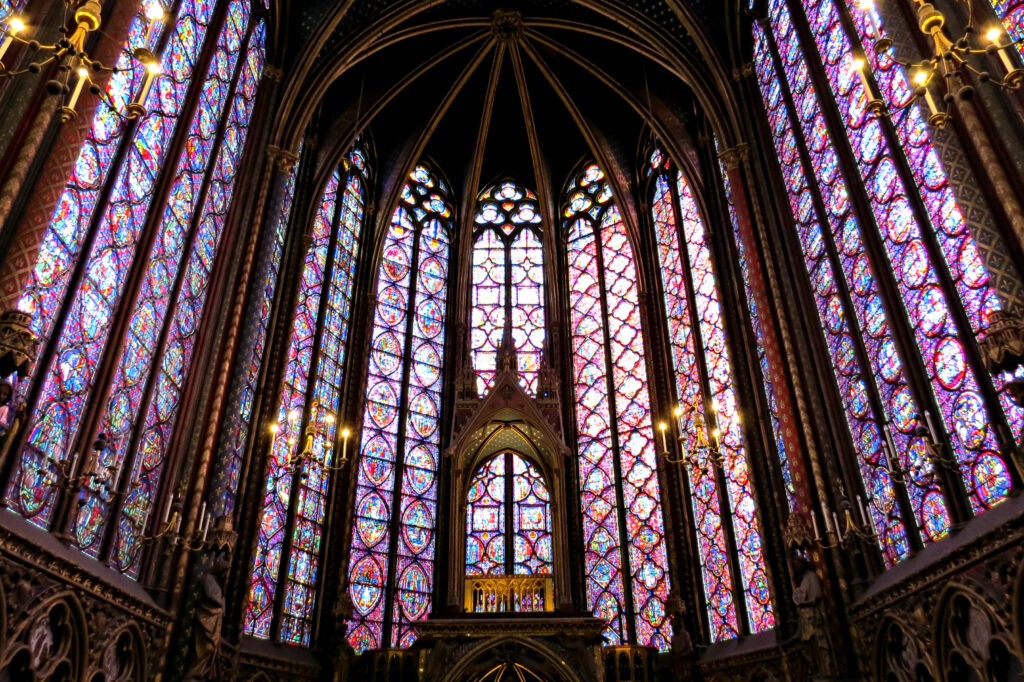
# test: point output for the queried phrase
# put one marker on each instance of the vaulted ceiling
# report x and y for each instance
(506, 88)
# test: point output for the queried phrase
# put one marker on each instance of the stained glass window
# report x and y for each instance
(303, 447)
(1012, 14)
(9, 8)
(625, 556)
(709, 416)
(173, 256)
(915, 237)
(508, 282)
(508, 505)
(391, 561)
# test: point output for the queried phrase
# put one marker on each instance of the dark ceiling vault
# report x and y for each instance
(488, 89)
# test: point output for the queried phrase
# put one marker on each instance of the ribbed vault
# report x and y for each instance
(500, 88)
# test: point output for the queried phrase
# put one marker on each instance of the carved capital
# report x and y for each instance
(18, 343)
(223, 536)
(282, 158)
(734, 156)
(797, 533)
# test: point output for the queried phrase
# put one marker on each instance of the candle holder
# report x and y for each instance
(951, 68)
(843, 528)
(69, 58)
(708, 441)
(169, 529)
(314, 428)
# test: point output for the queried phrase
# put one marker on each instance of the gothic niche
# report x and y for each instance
(509, 613)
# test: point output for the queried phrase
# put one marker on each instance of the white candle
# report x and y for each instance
(167, 515)
(4, 46)
(827, 516)
(814, 522)
(869, 11)
(14, 28)
(155, 14)
(1005, 58)
(931, 426)
(83, 77)
(930, 100)
(863, 512)
(892, 447)
(153, 69)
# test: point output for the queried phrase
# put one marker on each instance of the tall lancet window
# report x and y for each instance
(731, 556)
(303, 446)
(391, 562)
(896, 275)
(508, 519)
(508, 283)
(625, 557)
(122, 276)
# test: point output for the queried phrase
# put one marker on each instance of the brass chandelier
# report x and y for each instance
(949, 73)
(67, 59)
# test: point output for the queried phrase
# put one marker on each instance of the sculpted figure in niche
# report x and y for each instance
(208, 619)
(812, 624)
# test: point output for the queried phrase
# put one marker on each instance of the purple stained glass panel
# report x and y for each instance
(67, 382)
(617, 454)
(508, 282)
(488, 315)
(396, 478)
(707, 303)
(288, 429)
(304, 560)
(183, 219)
(714, 551)
(954, 385)
(837, 323)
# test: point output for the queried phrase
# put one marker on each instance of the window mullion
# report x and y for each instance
(510, 562)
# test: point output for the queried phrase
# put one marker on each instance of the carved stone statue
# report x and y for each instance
(208, 620)
(812, 626)
(682, 644)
